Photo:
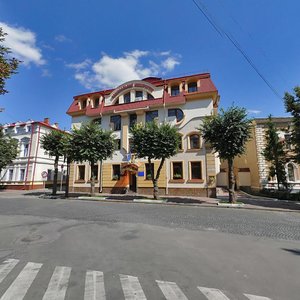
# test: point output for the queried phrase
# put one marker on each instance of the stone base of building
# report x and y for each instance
(20, 187)
(191, 192)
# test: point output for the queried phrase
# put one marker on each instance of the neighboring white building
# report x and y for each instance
(183, 102)
(26, 170)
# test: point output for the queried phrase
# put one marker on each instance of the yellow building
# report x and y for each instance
(251, 169)
(183, 102)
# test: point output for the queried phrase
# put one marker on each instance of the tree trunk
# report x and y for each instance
(92, 180)
(54, 189)
(232, 196)
(155, 190)
(67, 178)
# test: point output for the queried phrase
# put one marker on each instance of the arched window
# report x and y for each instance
(291, 172)
(176, 112)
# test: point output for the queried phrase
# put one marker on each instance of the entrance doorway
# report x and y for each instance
(132, 182)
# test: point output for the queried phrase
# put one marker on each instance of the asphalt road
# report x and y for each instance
(72, 249)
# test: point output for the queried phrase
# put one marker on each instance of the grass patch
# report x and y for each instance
(227, 202)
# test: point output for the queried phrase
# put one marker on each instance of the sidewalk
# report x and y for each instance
(249, 201)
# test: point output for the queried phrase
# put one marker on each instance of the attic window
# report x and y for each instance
(96, 102)
(83, 104)
(192, 87)
(175, 90)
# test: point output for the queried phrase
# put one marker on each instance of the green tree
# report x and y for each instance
(227, 133)
(155, 142)
(292, 105)
(274, 153)
(8, 150)
(52, 142)
(8, 66)
(92, 144)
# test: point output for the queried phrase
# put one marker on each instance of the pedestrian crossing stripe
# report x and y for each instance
(94, 285)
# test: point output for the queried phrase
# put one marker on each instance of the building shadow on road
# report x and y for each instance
(294, 251)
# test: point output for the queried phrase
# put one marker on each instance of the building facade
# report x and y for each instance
(26, 170)
(251, 169)
(183, 102)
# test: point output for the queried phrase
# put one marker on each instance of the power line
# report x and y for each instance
(222, 32)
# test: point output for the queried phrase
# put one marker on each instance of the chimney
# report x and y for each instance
(46, 121)
(56, 125)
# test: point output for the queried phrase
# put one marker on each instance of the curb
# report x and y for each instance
(188, 204)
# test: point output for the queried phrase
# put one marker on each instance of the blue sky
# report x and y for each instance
(71, 47)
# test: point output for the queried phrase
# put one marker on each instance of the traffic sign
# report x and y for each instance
(44, 174)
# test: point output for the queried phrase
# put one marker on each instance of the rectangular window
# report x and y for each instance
(175, 90)
(29, 128)
(117, 143)
(84, 102)
(196, 171)
(26, 148)
(116, 172)
(10, 174)
(95, 172)
(151, 115)
(127, 98)
(194, 141)
(138, 95)
(130, 145)
(180, 145)
(22, 174)
(192, 87)
(148, 171)
(116, 121)
(132, 120)
(177, 170)
(96, 102)
(81, 173)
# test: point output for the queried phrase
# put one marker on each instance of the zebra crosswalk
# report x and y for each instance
(94, 288)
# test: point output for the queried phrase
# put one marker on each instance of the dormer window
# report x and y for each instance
(96, 102)
(192, 87)
(149, 96)
(175, 90)
(138, 95)
(127, 98)
(83, 104)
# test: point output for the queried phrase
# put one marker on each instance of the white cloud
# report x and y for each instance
(109, 71)
(62, 38)
(170, 63)
(22, 43)
(254, 111)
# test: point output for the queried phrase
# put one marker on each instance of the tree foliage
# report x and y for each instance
(53, 143)
(8, 66)
(292, 105)
(91, 143)
(155, 142)
(227, 133)
(8, 150)
(274, 153)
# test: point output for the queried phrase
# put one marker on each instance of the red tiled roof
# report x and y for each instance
(206, 86)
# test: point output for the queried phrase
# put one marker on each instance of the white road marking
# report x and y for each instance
(20, 286)
(6, 267)
(131, 288)
(94, 286)
(212, 294)
(171, 290)
(253, 297)
(58, 284)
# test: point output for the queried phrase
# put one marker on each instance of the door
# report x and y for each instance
(132, 182)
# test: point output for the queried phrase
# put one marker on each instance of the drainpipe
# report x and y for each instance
(167, 160)
(36, 153)
(206, 170)
(101, 178)
(29, 155)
